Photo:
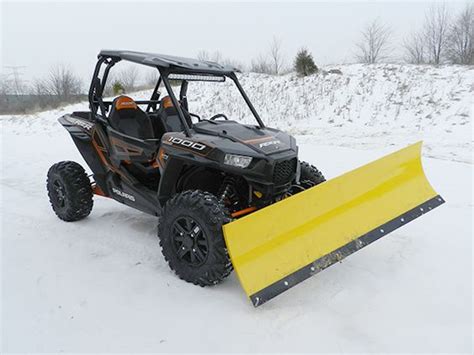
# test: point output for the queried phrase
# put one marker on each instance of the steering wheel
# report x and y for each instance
(217, 116)
(189, 114)
(194, 115)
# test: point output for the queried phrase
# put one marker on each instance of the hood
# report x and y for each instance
(263, 140)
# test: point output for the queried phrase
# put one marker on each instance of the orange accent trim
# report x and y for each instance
(166, 102)
(130, 149)
(103, 159)
(261, 139)
(244, 211)
(161, 159)
(96, 190)
(99, 153)
(125, 102)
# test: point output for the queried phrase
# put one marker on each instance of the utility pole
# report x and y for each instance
(16, 75)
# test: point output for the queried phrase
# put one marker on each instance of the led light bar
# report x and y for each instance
(192, 77)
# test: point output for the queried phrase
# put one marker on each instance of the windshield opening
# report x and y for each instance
(209, 98)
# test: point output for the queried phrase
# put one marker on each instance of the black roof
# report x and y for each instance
(169, 61)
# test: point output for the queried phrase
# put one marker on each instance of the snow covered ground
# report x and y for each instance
(368, 106)
(101, 284)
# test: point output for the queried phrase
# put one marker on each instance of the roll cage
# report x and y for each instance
(169, 68)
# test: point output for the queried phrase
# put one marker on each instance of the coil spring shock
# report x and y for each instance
(227, 192)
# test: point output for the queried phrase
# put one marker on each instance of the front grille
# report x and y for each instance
(284, 171)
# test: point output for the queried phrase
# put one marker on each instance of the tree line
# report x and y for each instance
(442, 37)
(61, 85)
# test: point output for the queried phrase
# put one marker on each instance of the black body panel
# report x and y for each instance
(105, 154)
(269, 148)
(137, 159)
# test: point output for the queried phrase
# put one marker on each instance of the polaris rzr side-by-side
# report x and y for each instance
(227, 194)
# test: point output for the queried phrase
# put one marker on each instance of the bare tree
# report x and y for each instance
(277, 59)
(39, 87)
(4, 90)
(272, 62)
(234, 64)
(217, 57)
(415, 50)
(151, 78)
(436, 32)
(202, 55)
(128, 78)
(43, 98)
(261, 65)
(207, 56)
(460, 39)
(374, 45)
(62, 82)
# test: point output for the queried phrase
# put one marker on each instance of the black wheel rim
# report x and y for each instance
(59, 193)
(189, 241)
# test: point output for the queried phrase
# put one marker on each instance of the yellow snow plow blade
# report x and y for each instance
(283, 244)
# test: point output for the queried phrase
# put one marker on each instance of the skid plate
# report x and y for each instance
(283, 244)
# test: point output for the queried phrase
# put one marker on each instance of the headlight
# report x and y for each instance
(240, 161)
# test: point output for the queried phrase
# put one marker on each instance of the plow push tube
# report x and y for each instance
(285, 243)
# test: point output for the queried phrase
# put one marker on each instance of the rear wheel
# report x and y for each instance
(191, 237)
(69, 191)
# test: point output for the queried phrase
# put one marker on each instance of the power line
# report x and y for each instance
(16, 74)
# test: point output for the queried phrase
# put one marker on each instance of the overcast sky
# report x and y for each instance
(40, 34)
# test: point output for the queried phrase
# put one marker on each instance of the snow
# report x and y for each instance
(101, 284)
(366, 106)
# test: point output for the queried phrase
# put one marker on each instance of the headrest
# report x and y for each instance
(125, 102)
(166, 102)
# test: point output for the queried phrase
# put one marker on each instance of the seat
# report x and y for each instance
(127, 118)
(159, 127)
(169, 116)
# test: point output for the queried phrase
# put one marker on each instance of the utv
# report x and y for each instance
(195, 173)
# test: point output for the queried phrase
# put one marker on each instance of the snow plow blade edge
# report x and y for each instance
(279, 246)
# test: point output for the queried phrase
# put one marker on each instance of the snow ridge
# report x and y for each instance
(364, 107)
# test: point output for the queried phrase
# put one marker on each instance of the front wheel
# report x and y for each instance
(69, 191)
(310, 175)
(191, 237)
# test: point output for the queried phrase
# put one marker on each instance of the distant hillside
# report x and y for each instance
(365, 106)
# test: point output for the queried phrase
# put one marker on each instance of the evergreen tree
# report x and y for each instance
(304, 63)
(118, 88)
